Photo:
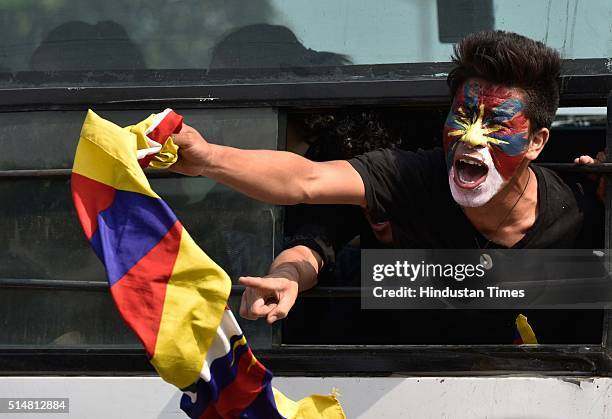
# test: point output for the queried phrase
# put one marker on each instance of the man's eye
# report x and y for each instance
(459, 110)
(461, 113)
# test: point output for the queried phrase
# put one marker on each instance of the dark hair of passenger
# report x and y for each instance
(511, 60)
(343, 135)
(269, 46)
(78, 45)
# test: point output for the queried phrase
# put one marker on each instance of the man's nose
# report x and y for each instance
(470, 146)
(478, 146)
(475, 135)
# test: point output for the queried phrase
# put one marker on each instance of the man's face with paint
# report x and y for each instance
(486, 136)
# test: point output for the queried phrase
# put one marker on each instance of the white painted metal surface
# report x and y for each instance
(375, 398)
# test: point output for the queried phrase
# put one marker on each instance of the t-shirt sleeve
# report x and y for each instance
(396, 180)
(323, 228)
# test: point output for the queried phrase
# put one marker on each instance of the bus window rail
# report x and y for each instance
(59, 284)
(601, 168)
(334, 360)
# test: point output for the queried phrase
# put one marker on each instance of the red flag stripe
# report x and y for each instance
(245, 388)
(146, 283)
(90, 198)
(171, 124)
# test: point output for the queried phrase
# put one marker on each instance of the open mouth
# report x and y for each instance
(470, 172)
(378, 227)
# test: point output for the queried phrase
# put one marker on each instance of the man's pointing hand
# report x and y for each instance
(271, 297)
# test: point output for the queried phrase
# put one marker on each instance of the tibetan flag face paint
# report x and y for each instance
(171, 294)
(486, 136)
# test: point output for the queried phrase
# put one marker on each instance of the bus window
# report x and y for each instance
(340, 135)
(117, 43)
(59, 293)
(254, 74)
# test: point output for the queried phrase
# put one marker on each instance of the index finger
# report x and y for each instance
(256, 282)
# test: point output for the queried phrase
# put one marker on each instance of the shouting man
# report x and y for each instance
(479, 191)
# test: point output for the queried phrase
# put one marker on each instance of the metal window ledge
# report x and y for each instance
(553, 360)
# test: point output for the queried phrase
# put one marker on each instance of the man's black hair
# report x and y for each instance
(512, 60)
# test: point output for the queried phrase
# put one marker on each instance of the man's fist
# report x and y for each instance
(193, 153)
(600, 158)
(271, 297)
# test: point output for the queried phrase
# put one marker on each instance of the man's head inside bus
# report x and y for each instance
(505, 94)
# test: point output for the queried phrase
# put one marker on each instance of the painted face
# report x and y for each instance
(486, 136)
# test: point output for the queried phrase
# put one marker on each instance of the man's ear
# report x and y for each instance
(537, 143)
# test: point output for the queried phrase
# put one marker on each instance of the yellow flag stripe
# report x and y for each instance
(196, 296)
(525, 330)
(107, 154)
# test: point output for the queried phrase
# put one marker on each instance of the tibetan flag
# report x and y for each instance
(172, 295)
(523, 333)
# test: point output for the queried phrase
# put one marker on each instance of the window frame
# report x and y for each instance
(584, 83)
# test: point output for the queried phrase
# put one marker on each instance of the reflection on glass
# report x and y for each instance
(214, 34)
(48, 139)
(457, 18)
(79, 45)
(65, 318)
(61, 318)
(269, 46)
(43, 239)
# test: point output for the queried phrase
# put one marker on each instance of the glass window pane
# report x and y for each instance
(39, 225)
(115, 37)
(40, 237)
(48, 140)
(43, 317)
(68, 318)
(43, 239)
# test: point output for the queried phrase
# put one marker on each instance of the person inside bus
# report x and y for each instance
(233, 241)
(331, 136)
(333, 234)
(78, 45)
(268, 46)
(478, 191)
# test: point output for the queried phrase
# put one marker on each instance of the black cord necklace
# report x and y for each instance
(485, 259)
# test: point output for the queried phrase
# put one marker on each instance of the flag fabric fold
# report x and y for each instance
(172, 295)
(523, 333)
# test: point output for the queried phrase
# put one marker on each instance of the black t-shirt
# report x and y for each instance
(411, 190)
(327, 229)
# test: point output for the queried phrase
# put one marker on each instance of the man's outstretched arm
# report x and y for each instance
(277, 177)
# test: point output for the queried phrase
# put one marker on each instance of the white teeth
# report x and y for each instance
(472, 162)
